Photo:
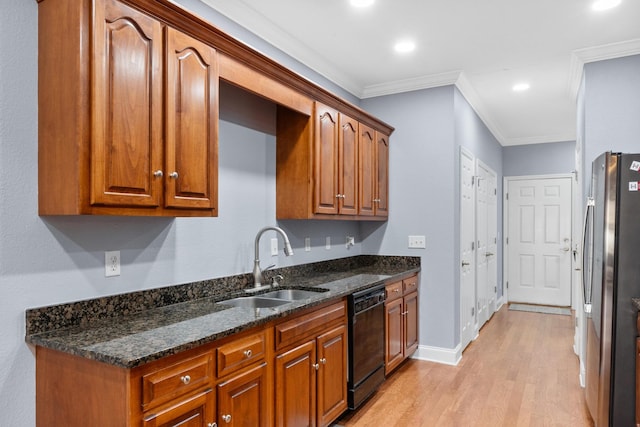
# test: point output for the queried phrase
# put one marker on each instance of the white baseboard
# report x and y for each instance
(499, 303)
(583, 374)
(447, 356)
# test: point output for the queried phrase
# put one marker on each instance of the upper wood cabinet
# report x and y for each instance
(128, 118)
(329, 166)
(128, 114)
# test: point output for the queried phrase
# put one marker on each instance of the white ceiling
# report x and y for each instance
(482, 46)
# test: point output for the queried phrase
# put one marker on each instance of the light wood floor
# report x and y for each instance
(521, 371)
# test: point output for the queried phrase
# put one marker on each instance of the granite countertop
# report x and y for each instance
(132, 339)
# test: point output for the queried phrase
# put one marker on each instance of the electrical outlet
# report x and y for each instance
(327, 244)
(350, 241)
(274, 246)
(111, 263)
(417, 242)
(307, 244)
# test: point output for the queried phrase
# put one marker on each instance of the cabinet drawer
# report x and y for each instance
(393, 291)
(410, 284)
(307, 325)
(240, 353)
(168, 383)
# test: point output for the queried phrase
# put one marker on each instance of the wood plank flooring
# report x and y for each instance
(521, 371)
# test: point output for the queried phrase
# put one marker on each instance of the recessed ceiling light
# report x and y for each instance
(521, 87)
(404, 46)
(361, 3)
(600, 5)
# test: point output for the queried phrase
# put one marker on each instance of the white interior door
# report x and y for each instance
(539, 240)
(486, 236)
(467, 246)
(482, 237)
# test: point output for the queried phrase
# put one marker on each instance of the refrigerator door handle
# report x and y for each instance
(586, 255)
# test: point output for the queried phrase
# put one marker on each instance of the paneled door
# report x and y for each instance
(539, 240)
(486, 242)
(467, 249)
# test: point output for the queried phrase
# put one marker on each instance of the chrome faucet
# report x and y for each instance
(257, 272)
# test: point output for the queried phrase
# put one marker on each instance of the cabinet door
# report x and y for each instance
(332, 375)
(126, 137)
(367, 171)
(410, 323)
(382, 175)
(296, 386)
(348, 166)
(243, 400)
(191, 117)
(394, 329)
(325, 172)
(196, 411)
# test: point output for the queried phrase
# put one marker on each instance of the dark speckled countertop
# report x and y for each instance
(133, 329)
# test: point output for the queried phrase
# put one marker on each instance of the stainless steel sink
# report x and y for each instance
(255, 302)
(292, 294)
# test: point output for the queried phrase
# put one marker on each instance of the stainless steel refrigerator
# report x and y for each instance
(611, 278)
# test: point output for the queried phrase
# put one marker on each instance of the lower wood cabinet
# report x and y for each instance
(194, 411)
(401, 321)
(244, 399)
(311, 382)
(288, 372)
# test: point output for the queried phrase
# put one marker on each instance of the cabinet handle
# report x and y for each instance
(186, 379)
(377, 200)
(173, 175)
(316, 366)
(340, 196)
(404, 313)
(323, 361)
(396, 290)
(248, 353)
(158, 174)
(226, 418)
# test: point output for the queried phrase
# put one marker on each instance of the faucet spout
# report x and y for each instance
(257, 271)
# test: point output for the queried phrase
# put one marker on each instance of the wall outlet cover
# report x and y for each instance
(111, 263)
(417, 242)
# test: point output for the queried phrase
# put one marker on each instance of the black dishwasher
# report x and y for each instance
(366, 344)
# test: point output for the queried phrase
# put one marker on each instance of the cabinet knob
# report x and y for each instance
(212, 425)
(226, 418)
(248, 353)
(173, 175)
(186, 379)
(323, 361)
(158, 174)
(316, 366)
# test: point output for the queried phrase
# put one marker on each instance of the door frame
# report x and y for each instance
(505, 228)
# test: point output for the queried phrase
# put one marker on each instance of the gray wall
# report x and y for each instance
(431, 125)
(422, 200)
(51, 260)
(539, 159)
(611, 97)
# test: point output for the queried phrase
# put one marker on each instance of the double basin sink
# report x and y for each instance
(274, 298)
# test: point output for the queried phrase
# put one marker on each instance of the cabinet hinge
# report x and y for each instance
(473, 180)
(507, 284)
(473, 246)
(507, 240)
(507, 195)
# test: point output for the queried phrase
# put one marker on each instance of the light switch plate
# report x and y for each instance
(417, 242)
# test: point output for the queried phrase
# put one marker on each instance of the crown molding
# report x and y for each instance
(580, 57)
(288, 44)
(409, 85)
